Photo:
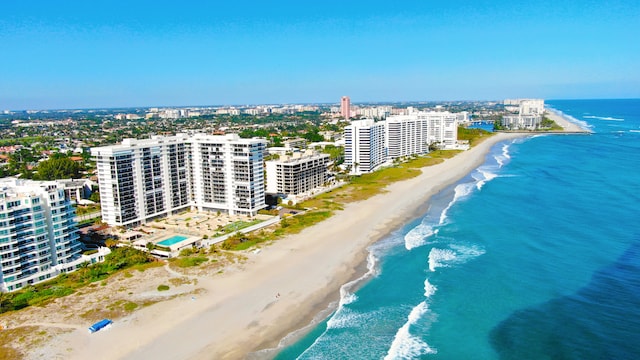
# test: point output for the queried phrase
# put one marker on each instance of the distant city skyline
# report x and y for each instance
(76, 54)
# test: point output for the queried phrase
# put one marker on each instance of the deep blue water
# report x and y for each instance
(535, 255)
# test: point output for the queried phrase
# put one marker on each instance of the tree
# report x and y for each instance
(58, 167)
(95, 197)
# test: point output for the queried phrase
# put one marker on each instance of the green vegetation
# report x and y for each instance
(549, 124)
(87, 209)
(163, 287)
(472, 135)
(65, 284)
(236, 226)
(289, 225)
(59, 166)
(189, 261)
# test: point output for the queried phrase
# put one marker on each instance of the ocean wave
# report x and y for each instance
(418, 236)
(429, 289)
(486, 176)
(405, 345)
(439, 257)
(606, 118)
(460, 191)
(467, 251)
(581, 123)
(456, 254)
(346, 295)
(501, 159)
(349, 319)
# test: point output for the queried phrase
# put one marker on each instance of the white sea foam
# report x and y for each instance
(440, 257)
(346, 296)
(634, 131)
(606, 118)
(460, 191)
(405, 345)
(466, 252)
(487, 176)
(429, 289)
(418, 236)
(501, 159)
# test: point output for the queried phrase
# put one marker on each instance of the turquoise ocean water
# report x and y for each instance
(534, 255)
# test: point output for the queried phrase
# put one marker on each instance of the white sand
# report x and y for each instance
(240, 312)
(567, 125)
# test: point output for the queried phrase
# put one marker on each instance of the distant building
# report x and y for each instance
(528, 114)
(364, 149)
(296, 174)
(76, 189)
(141, 180)
(369, 144)
(297, 143)
(38, 235)
(345, 107)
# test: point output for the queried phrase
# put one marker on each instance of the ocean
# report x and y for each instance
(534, 255)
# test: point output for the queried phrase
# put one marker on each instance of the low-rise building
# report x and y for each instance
(296, 174)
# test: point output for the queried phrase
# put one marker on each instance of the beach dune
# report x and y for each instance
(280, 289)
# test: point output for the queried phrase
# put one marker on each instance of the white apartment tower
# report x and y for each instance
(443, 128)
(529, 114)
(296, 174)
(38, 235)
(406, 135)
(364, 147)
(145, 179)
(227, 173)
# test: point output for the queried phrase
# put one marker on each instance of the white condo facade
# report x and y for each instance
(406, 135)
(145, 179)
(369, 144)
(296, 174)
(529, 114)
(364, 148)
(38, 234)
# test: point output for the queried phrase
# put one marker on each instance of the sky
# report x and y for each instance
(96, 54)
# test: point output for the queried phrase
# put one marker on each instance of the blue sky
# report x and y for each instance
(79, 54)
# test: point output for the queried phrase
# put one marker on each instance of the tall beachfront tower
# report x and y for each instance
(38, 234)
(228, 173)
(364, 149)
(141, 180)
(345, 107)
(406, 135)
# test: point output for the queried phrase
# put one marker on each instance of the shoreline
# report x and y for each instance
(241, 312)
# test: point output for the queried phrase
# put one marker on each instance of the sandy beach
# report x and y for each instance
(567, 126)
(241, 311)
(278, 290)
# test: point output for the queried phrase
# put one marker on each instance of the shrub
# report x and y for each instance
(163, 287)
(130, 306)
(190, 261)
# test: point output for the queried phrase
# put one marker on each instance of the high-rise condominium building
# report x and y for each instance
(345, 107)
(296, 174)
(369, 144)
(406, 135)
(529, 114)
(145, 179)
(38, 235)
(443, 127)
(364, 148)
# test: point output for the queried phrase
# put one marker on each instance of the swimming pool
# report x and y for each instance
(172, 240)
